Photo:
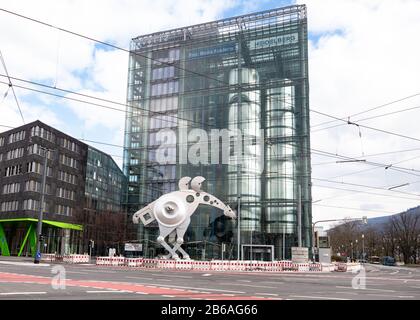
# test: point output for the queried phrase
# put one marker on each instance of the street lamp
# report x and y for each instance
(41, 207)
(363, 246)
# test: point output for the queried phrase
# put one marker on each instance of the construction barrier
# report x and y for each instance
(48, 257)
(215, 265)
(76, 258)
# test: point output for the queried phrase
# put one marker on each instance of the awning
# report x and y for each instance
(58, 224)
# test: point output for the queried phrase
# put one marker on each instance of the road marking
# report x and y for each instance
(167, 296)
(140, 278)
(382, 290)
(352, 293)
(318, 298)
(105, 291)
(415, 287)
(21, 293)
(395, 272)
(172, 276)
(250, 285)
(77, 272)
(206, 289)
(243, 280)
(267, 294)
(206, 275)
(403, 297)
(25, 264)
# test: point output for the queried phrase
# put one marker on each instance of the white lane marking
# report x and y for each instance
(140, 278)
(206, 275)
(319, 298)
(206, 289)
(395, 272)
(351, 293)
(382, 290)
(243, 280)
(267, 294)
(163, 280)
(167, 296)
(250, 285)
(415, 287)
(106, 291)
(77, 272)
(410, 272)
(173, 276)
(25, 264)
(21, 293)
(404, 297)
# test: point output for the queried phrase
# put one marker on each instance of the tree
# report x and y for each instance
(405, 227)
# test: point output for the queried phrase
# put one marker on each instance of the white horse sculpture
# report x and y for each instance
(172, 211)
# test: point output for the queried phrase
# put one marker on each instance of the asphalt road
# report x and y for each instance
(21, 279)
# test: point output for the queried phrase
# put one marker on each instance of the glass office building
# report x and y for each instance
(245, 75)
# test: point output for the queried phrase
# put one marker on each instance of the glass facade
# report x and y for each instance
(244, 79)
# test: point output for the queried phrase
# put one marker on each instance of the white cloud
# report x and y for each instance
(363, 54)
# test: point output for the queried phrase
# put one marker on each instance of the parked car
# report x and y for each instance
(375, 260)
(388, 261)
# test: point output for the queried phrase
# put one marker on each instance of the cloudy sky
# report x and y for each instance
(363, 55)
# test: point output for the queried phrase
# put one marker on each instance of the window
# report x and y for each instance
(66, 194)
(18, 136)
(34, 167)
(13, 170)
(1, 141)
(68, 161)
(11, 188)
(9, 206)
(170, 87)
(37, 149)
(14, 154)
(33, 186)
(69, 145)
(163, 73)
(43, 133)
(164, 104)
(64, 210)
(67, 177)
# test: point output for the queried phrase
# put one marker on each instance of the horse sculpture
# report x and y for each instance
(173, 212)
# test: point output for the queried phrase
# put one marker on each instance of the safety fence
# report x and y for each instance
(71, 258)
(215, 265)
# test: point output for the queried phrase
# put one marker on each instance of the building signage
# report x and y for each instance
(274, 41)
(211, 51)
(160, 38)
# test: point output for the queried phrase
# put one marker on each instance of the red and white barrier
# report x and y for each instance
(216, 265)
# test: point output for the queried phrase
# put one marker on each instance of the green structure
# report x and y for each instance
(30, 238)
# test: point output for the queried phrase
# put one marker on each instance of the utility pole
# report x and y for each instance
(284, 242)
(41, 208)
(299, 216)
(239, 227)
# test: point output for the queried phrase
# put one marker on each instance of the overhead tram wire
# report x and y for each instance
(366, 127)
(371, 109)
(352, 191)
(356, 209)
(109, 45)
(10, 84)
(365, 186)
(370, 118)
